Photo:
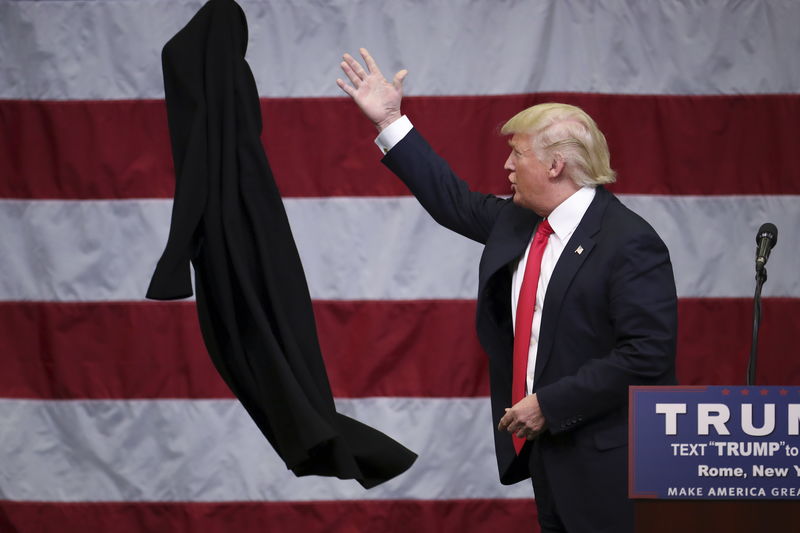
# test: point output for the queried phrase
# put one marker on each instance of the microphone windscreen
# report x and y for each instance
(769, 231)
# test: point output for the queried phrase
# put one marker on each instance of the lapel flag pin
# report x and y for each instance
(579, 250)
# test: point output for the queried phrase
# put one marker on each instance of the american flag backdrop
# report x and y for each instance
(112, 417)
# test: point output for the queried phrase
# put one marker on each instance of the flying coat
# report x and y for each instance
(252, 298)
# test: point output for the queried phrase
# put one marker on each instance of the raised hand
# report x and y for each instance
(378, 99)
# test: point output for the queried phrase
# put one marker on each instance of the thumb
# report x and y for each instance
(398, 79)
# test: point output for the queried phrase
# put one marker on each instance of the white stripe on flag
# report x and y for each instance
(210, 450)
(370, 248)
(479, 47)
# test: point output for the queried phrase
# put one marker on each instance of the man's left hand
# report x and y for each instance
(525, 418)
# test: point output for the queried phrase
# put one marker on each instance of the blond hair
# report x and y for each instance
(569, 131)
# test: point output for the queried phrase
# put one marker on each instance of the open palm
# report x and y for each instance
(378, 99)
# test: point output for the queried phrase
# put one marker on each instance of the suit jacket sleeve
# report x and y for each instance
(446, 197)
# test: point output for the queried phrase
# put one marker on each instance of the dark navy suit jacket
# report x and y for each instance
(609, 318)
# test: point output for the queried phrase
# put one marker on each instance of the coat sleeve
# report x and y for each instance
(447, 198)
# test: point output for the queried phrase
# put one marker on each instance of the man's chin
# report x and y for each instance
(519, 202)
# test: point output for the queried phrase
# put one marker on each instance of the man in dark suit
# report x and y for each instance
(576, 298)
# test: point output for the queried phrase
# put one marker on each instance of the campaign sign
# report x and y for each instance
(707, 443)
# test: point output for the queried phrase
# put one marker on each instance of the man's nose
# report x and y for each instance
(509, 165)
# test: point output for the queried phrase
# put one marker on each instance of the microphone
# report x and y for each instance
(766, 238)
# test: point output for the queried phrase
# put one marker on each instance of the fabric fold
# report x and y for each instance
(253, 301)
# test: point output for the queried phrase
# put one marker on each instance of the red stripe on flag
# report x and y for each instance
(406, 349)
(714, 337)
(734, 144)
(154, 350)
(384, 516)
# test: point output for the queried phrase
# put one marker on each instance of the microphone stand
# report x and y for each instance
(761, 277)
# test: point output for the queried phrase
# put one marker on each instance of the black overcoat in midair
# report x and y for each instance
(252, 299)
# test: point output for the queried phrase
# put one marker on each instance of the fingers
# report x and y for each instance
(355, 66)
(516, 422)
(371, 65)
(526, 432)
(398, 79)
(346, 88)
(355, 79)
(530, 435)
(505, 421)
(356, 73)
(510, 423)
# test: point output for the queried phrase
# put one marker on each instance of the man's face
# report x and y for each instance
(529, 176)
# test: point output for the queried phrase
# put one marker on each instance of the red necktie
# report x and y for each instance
(524, 318)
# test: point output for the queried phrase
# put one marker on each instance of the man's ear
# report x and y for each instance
(556, 165)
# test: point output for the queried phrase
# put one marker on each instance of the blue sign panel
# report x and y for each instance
(714, 443)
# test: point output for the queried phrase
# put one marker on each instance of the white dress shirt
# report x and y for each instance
(393, 134)
(564, 219)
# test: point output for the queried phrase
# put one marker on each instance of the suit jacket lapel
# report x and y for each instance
(565, 270)
(507, 245)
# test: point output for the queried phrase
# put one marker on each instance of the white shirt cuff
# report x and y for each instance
(393, 134)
